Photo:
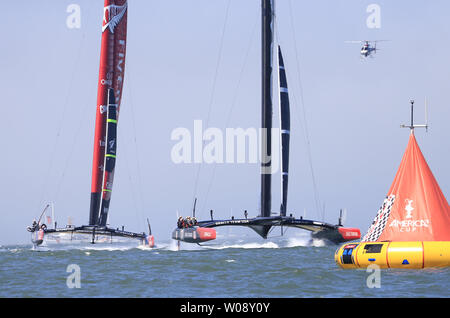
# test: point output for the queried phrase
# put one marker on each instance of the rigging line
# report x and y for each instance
(308, 151)
(62, 121)
(75, 138)
(213, 90)
(140, 185)
(305, 127)
(84, 111)
(233, 103)
(132, 186)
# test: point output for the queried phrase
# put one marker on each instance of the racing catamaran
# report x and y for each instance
(109, 94)
(202, 231)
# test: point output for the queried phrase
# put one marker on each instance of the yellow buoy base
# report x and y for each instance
(421, 254)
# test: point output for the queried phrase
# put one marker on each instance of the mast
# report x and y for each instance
(111, 75)
(285, 125)
(266, 104)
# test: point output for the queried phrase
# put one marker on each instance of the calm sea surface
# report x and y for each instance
(288, 267)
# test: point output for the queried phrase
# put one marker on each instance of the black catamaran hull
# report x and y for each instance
(194, 234)
(262, 225)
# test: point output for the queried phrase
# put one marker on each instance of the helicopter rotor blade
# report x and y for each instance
(366, 41)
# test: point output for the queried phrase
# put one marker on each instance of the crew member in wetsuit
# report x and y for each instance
(34, 227)
(180, 222)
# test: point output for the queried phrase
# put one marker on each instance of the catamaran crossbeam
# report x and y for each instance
(99, 231)
(262, 226)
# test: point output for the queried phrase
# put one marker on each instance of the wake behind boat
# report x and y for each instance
(203, 231)
(111, 76)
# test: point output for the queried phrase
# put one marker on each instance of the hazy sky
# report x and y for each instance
(353, 107)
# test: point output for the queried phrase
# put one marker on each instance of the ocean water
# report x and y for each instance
(227, 268)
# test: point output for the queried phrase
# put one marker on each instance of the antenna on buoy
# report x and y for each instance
(412, 126)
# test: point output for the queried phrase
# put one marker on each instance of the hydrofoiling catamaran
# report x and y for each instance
(204, 231)
(111, 76)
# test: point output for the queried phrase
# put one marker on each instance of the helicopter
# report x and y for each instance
(367, 49)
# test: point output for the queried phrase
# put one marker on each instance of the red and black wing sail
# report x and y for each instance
(111, 76)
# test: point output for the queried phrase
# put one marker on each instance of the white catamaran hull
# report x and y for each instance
(92, 235)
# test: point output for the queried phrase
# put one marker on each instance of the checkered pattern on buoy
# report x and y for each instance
(379, 223)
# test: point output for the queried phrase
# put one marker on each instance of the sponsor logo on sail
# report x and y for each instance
(409, 224)
(409, 209)
(112, 15)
